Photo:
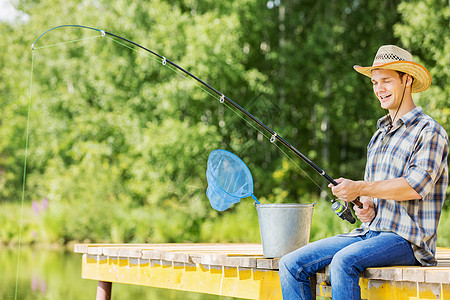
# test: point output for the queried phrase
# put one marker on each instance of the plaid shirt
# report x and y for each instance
(415, 148)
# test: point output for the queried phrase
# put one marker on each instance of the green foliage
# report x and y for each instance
(118, 143)
(239, 225)
(325, 222)
(443, 232)
(62, 222)
(424, 29)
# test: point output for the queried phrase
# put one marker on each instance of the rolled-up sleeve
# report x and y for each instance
(426, 162)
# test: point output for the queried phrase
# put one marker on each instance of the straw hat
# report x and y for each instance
(391, 57)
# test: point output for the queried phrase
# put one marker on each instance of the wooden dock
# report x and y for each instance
(241, 271)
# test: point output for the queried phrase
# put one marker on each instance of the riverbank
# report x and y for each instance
(59, 226)
(68, 247)
(56, 274)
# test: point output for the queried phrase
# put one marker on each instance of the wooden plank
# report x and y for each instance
(94, 250)
(441, 253)
(267, 263)
(323, 290)
(248, 262)
(437, 275)
(234, 260)
(161, 251)
(248, 256)
(386, 273)
(219, 280)
(250, 252)
(182, 246)
(176, 256)
(122, 252)
(206, 247)
(80, 248)
(208, 259)
(414, 274)
(323, 279)
(205, 267)
(237, 255)
(221, 260)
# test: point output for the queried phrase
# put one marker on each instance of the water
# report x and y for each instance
(50, 274)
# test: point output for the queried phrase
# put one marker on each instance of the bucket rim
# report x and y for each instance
(284, 205)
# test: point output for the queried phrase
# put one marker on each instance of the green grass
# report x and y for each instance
(98, 221)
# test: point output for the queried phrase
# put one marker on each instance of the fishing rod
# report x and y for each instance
(340, 210)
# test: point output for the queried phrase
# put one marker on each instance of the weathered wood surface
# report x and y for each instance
(227, 255)
(400, 282)
(376, 283)
(234, 270)
(251, 256)
(437, 274)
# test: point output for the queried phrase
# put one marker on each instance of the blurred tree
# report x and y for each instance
(424, 30)
(112, 127)
(307, 50)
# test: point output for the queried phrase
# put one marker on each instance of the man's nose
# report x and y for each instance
(380, 87)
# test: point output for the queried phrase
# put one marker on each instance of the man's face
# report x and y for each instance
(388, 87)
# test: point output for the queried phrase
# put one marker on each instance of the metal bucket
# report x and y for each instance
(284, 227)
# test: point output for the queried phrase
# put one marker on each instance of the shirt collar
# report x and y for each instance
(406, 119)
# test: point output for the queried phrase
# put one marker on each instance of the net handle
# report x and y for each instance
(254, 198)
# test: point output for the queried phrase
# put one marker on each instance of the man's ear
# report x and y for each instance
(409, 80)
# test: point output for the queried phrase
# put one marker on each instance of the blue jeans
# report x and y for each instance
(347, 256)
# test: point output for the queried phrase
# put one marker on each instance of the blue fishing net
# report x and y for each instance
(229, 180)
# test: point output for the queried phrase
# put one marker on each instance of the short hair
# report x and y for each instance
(400, 73)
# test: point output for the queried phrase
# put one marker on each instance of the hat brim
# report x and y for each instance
(422, 78)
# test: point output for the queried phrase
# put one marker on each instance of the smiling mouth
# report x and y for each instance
(385, 97)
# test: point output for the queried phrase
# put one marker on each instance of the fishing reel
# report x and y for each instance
(343, 212)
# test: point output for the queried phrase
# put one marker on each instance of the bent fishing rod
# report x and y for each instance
(337, 207)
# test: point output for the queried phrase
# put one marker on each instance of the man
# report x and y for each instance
(403, 191)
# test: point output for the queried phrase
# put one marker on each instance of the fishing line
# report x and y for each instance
(228, 106)
(281, 149)
(398, 108)
(223, 102)
(164, 63)
(183, 73)
(27, 137)
(206, 88)
(68, 42)
(24, 175)
(212, 92)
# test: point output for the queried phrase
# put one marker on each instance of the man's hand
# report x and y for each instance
(346, 190)
(367, 213)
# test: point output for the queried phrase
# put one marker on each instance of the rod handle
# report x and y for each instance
(356, 201)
